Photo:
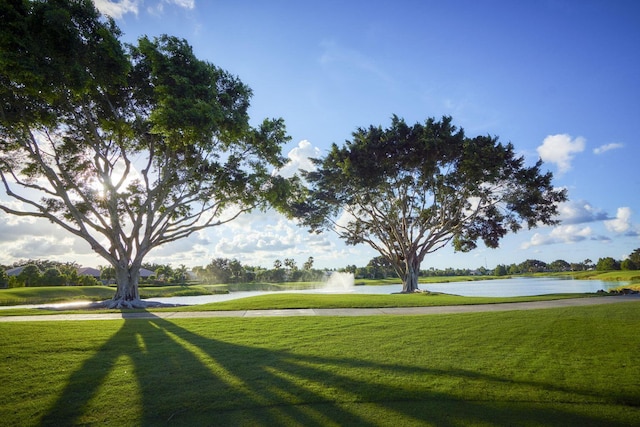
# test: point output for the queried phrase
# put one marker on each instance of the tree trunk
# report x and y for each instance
(127, 295)
(410, 279)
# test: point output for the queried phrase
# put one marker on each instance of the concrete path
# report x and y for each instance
(396, 311)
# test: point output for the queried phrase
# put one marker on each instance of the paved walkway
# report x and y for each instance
(397, 311)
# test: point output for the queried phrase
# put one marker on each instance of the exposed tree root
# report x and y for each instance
(122, 304)
(415, 291)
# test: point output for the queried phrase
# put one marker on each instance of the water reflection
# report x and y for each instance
(486, 288)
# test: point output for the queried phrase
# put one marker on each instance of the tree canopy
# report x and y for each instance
(407, 191)
(126, 146)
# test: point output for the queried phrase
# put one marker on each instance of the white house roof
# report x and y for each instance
(14, 271)
(89, 271)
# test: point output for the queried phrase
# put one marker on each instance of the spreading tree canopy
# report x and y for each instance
(407, 191)
(126, 146)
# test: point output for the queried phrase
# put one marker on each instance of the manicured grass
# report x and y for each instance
(302, 300)
(430, 279)
(571, 366)
(52, 294)
(612, 276)
(47, 294)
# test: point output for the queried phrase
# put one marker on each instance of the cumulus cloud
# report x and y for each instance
(580, 211)
(187, 4)
(560, 150)
(560, 234)
(40, 247)
(622, 222)
(299, 159)
(117, 9)
(276, 237)
(607, 147)
(14, 220)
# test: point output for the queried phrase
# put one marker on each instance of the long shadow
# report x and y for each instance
(186, 379)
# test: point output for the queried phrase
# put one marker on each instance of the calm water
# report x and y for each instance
(486, 288)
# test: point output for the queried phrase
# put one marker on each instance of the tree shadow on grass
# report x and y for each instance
(182, 378)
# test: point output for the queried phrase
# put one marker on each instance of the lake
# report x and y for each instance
(521, 286)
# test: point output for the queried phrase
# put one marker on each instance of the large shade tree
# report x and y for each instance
(407, 191)
(125, 146)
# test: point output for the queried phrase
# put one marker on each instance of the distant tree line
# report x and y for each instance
(45, 273)
(223, 270)
(632, 262)
(54, 273)
(379, 268)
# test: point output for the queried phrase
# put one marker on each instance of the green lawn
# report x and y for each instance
(53, 294)
(284, 300)
(632, 276)
(570, 366)
(302, 300)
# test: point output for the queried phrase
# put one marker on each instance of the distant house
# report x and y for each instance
(89, 271)
(14, 271)
(144, 273)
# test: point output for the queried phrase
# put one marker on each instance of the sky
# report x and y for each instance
(557, 78)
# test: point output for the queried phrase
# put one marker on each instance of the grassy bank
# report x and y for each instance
(53, 294)
(573, 366)
(631, 276)
(301, 301)
(45, 295)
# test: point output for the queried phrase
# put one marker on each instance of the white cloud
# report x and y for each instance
(607, 147)
(579, 211)
(41, 247)
(560, 234)
(13, 220)
(117, 9)
(187, 4)
(622, 222)
(560, 149)
(299, 159)
(277, 237)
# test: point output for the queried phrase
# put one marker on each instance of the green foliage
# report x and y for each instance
(560, 265)
(532, 266)
(70, 88)
(4, 279)
(107, 273)
(87, 281)
(632, 262)
(410, 190)
(52, 277)
(308, 265)
(500, 270)
(30, 275)
(627, 264)
(607, 263)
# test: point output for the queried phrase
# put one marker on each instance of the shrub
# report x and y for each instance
(627, 264)
(4, 279)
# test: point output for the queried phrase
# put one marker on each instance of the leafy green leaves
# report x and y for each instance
(139, 145)
(411, 189)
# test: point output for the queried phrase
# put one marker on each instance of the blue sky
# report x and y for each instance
(557, 78)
